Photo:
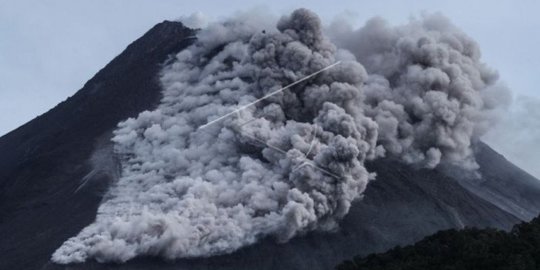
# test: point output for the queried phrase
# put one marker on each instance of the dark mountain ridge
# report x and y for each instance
(42, 162)
(473, 249)
(49, 189)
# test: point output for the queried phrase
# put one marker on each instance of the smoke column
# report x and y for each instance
(294, 162)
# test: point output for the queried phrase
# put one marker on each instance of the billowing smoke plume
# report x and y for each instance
(293, 162)
(427, 90)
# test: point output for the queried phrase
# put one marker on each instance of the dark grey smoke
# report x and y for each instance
(428, 90)
(293, 162)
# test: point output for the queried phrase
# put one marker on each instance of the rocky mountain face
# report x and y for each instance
(43, 162)
(55, 169)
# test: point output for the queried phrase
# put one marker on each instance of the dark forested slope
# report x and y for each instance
(473, 249)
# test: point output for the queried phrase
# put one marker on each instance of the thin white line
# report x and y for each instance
(271, 94)
(86, 179)
(300, 166)
(255, 118)
(310, 147)
(306, 160)
(309, 162)
(263, 142)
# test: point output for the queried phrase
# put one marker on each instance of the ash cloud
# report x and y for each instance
(428, 90)
(196, 20)
(294, 162)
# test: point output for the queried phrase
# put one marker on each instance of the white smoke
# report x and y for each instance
(196, 20)
(293, 162)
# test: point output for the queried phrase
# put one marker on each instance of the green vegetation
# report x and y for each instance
(476, 249)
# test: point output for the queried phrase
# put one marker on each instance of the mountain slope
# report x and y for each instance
(50, 189)
(42, 162)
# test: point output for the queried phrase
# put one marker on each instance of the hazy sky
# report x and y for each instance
(49, 49)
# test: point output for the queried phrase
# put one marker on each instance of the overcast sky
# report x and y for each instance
(49, 49)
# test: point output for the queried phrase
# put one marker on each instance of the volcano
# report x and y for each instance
(56, 169)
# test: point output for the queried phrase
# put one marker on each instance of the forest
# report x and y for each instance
(470, 248)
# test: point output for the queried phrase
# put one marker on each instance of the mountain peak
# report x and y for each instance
(43, 161)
